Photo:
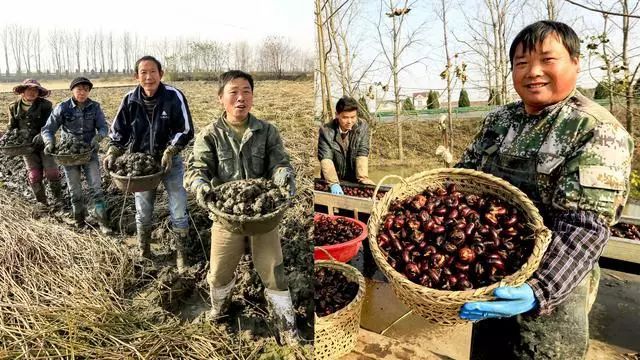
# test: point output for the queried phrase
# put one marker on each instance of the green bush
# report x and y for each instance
(408, 104)
(463, 100)
(433, 101)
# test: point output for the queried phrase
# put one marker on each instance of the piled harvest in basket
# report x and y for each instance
(71, 145)
(448, 236)
(135, 164)
(14, 138)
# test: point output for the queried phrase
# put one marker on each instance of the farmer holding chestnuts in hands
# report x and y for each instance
(572, 158)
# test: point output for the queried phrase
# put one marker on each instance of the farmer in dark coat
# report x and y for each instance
(343, 147)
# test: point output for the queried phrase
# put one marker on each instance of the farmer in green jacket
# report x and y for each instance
(28, 114)
(572, 158)
(239, 146)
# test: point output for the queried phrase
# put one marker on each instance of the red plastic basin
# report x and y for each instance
(345, 251)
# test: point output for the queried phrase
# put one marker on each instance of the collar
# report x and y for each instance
(547, 110)
(73, 103)
(138, 91)
(253, 124)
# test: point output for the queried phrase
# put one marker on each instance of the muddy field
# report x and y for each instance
(175, 300)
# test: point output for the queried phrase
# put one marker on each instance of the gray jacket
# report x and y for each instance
(344, 160)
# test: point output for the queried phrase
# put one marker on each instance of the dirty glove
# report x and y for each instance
(284, 175)
(112, 154)
(510, 301)
(336, 189)
(95, 142)
(167, 157)
(38, 143)
(49, 146)
(202, 189)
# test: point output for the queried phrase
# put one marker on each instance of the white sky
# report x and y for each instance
(228, 21)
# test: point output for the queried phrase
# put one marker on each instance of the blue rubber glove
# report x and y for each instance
(336, 189)
(510, 301)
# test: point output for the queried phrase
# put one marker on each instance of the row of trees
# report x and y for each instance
(433, 101)
(63, 51)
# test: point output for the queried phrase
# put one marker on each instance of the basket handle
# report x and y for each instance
(325, 252)
(375, 191)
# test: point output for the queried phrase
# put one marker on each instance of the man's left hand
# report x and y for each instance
(510, 301)
(167, 158)
(95, 142)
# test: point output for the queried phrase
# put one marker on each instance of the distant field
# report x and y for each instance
(64, 84)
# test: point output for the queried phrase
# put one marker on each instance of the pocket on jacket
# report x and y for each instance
(226, 165)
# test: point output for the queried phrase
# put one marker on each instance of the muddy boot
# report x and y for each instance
(79, 214)
(144, 241)
(56, 191)
(103, 217)
(282, 311)
(181, 240)
(39, 193)
(220, 297)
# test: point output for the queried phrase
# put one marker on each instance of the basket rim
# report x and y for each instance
(66, 156)
(349, 243)
(248, 219)
(540, 232)
(16, 146)
(342, 267)
(122, 177)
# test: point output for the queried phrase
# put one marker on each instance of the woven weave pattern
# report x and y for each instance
(248, 225)
(73, 159)
(16, 150)
(336, 335)
(136, 183)
(441, 306)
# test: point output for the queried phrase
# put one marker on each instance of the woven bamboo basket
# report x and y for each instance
(336, 335)
(132, 184)
(73, 159)
(16, 150)
(248, 225)
(441, 306)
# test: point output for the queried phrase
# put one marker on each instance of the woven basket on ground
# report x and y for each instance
(336, 335)
(441, 306)
(73, 159)
(248, 225)
(132, 184)
(15, 150)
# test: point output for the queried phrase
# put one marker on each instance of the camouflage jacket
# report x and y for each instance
(581, 154)
(218, 158)
(33, 119)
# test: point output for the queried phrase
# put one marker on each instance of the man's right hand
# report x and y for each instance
(336, 189)
(49, 147)
(202, 191)
(109, 160)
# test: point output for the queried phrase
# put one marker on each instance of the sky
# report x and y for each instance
(229, 21)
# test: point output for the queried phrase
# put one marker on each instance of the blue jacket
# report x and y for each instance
(170, 124)
(75, 122)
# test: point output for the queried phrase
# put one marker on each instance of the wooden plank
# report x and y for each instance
(363, 205)
(622, 249)
(375, 346)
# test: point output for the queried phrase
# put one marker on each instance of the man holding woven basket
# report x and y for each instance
(572, 158)
(80, 117)
(343, 147)
(28, 114)
(239, 146)
(154, 118)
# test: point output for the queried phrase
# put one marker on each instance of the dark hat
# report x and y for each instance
(80, 80)
(42, 92)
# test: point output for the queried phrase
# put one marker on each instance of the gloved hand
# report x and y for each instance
(336, 189)
(37, 142)
(112, 154)
(49, 146)
(510, 301)
(284, 175)
(366, 181)
(95, 142)
(202, 189)
(167, 157)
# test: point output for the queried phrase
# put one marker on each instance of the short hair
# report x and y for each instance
(230, 75)
(147, 58)
(534, 34)
(346, 103)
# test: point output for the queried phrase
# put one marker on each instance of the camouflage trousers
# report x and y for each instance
(563, 334)
(227, 248)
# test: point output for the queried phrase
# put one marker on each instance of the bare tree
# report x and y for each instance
(55, 46)
(274, 54)
(398, 43)
(37, 50)
(16, 39)
(241, 55)
(126, 49)
(5, 47)
(325, 85)
(447, 73)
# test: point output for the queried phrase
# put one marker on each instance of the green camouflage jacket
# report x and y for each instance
(218, 158)
(580, 155)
